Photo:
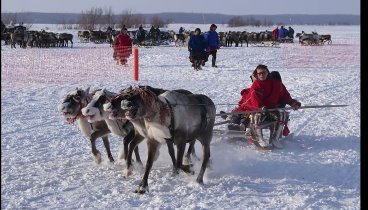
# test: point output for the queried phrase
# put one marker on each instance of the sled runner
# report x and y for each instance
(264, 130)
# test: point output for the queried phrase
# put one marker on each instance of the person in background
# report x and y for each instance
(141, 34)
(123, 47)
(158, 32)
(181, 30)
(197, 46)
(275, 33)
(109, 29)
(155, 33)
(213, 43)
(291, 32)
(282, 33)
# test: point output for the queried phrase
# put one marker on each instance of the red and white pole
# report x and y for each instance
(135, 66)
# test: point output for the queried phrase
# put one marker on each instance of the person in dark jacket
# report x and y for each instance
(141, 34)
(197, 46)
(181, 30)
(155, 33)
(291, 32)
(213, 42)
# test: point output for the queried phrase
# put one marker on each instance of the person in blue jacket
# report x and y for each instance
(197, 46)
(282, 33)
(213, 42)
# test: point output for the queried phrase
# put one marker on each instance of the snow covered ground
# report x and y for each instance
(47, 164)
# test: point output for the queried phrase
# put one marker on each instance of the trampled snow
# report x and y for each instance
(47, 163)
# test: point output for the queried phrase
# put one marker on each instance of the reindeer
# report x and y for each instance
(115, 112)
(65, 38)
(170, 117)
(17, 37)
(71, 107)
(94, 112)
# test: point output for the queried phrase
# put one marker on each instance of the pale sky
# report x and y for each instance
(230, 7)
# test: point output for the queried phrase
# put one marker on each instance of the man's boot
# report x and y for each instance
(214, 62)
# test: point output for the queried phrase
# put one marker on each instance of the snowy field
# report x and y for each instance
(47, 163)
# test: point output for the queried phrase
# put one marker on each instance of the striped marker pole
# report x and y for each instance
(135, 66)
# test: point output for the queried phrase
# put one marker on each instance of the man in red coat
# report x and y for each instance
(265, 93)
(123, 46)
(275, 33)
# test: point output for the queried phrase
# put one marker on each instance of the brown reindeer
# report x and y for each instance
(171, 117)
(115, 112)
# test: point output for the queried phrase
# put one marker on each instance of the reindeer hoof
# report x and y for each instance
(187, 168)
(98, 158)
(175, 171)
(187, 160)
(141, 190)
(200, 180)
(127, 172)
(121, 156)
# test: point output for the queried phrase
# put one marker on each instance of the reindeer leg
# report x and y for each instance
(137, 157)
(170, 147)
(206, 157)
(107, 146)
(190, 153)
(152, 147)
(133, 147)
(180, 153)
(95, 152)
(127, 139)
(93, 138)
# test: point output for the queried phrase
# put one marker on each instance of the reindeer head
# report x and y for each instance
(113, 108)
(73, 103)
(94, 109)
(139, 103)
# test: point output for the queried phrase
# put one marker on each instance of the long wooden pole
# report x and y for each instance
(279, 109)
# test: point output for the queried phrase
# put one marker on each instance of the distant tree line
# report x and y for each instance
(101, 18)
(237, 21)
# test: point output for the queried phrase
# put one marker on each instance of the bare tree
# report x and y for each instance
(108, 17)
(267, 22)
(90, 20)
(9, 18)
(129, 19)
(157, 21)
(236, 21)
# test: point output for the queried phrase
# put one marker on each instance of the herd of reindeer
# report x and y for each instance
(19, 35)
